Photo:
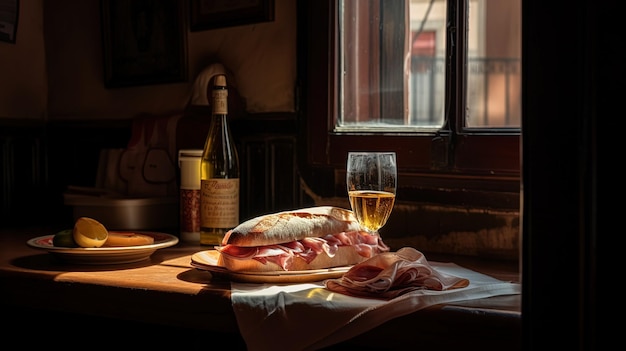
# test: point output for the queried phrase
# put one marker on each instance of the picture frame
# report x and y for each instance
(211, 14)
(9, 15)
(144, 42)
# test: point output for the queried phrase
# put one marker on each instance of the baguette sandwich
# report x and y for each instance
(304, 239)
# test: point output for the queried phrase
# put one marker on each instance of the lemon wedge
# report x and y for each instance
(88, 232)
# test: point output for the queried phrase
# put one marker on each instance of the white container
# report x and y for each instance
(189, 163)
(121, 213)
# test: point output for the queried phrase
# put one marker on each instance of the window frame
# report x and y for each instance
(442, 161)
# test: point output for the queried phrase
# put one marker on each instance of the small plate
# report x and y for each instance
(208, 261)
(105, 255)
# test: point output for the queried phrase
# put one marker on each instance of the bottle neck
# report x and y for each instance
(220, 100)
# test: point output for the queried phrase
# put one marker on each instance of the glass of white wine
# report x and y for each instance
(371, 179)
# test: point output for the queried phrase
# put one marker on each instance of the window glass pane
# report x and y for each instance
(392, 68)
(427, 60)
(392, 64)
(494, 62)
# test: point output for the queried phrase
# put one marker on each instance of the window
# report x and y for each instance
(392, 64)
(437, 81)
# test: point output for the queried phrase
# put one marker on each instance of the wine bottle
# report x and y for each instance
(219, 172)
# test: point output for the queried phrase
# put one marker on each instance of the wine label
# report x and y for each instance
(219, 203)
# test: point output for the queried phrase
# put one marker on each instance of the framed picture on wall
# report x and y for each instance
(144, 42)
(210, 14)
(9, 13)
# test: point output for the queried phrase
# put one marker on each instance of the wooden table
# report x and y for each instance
(164, 298)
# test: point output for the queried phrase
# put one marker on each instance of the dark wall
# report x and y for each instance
(39, 162)
(24, 178)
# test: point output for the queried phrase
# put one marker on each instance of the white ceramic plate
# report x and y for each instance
(105, 255)
(208, 261)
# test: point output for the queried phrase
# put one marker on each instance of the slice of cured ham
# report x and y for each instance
(390, 274)
(307, 249)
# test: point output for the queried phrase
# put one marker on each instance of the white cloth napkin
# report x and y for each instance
(310, 316)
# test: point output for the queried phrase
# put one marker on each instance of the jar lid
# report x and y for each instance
(190, 153)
